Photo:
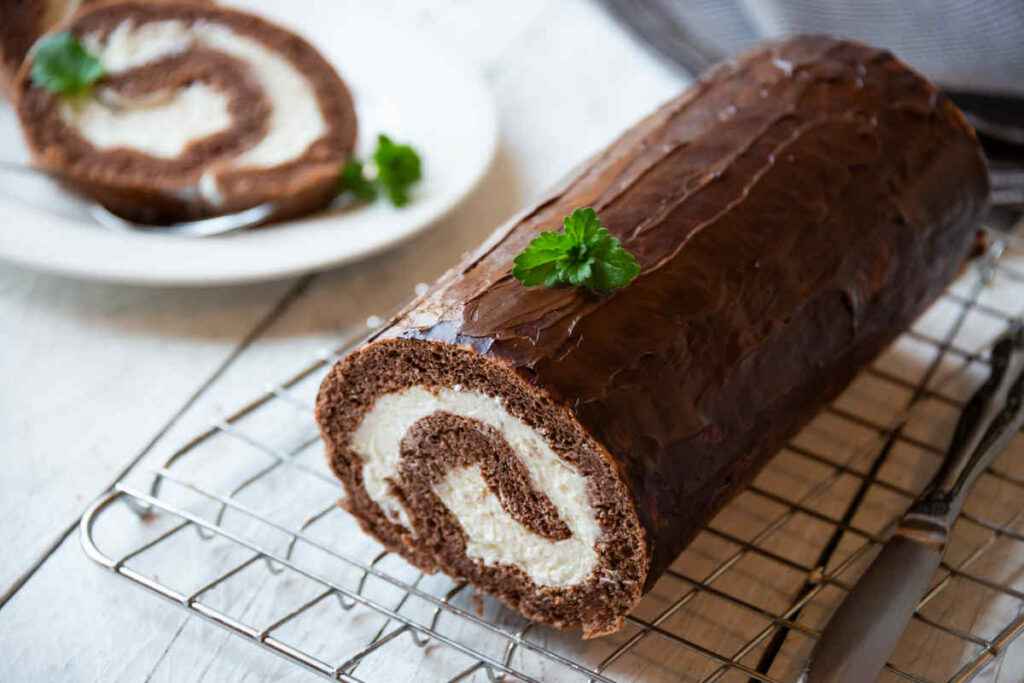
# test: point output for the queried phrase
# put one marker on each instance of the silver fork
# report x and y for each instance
(205, 227)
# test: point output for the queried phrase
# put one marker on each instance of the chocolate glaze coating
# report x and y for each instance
(793, 212)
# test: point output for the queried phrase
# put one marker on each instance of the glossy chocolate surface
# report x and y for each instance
(793, 212)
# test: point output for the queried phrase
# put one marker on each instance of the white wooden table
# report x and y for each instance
(96, 380)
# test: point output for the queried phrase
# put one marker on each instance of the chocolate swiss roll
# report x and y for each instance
(201, 111)
(792, 213)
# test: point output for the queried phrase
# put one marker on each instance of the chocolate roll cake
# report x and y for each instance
(792, 213)
(201, 111)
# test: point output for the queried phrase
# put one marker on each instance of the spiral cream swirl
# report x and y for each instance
(493, 536)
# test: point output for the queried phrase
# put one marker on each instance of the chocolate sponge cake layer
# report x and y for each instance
(792, 213)
(202, 111)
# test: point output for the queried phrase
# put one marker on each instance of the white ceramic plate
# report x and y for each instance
(403, 86)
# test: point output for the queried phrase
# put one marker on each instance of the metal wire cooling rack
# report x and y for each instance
(240, 527)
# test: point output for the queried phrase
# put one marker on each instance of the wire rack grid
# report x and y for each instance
(240, 527)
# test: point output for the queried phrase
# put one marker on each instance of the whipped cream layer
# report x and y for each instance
(164, 124)
(493, 536)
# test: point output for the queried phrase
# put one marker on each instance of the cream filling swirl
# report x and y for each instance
(494, 537)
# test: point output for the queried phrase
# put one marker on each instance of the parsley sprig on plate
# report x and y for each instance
(61, 64)
(395, 169)
(354, 180)
(584, 254)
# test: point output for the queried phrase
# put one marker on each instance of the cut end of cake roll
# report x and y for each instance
(201, 111)
(457, 463)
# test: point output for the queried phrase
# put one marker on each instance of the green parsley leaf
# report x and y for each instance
(394, 168)
(62, 65)
(398, 167)
(584, 254)
(353, 180)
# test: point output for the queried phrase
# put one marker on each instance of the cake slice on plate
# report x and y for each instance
(200, 111)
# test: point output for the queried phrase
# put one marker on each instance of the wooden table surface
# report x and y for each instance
(100, 379)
